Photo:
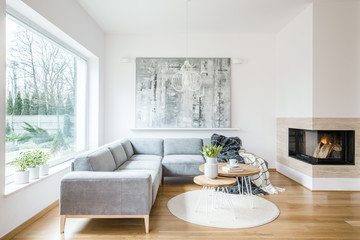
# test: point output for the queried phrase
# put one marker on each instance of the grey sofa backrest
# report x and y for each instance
(118, 152)
(182, 146)
(127, 147)
(206, 141)
(99, 160)
(152, 146)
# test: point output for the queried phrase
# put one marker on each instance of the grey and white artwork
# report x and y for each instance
(160, 105)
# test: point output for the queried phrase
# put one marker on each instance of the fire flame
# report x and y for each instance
(325, 141)
(325, 147)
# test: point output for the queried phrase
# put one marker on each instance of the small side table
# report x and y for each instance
(214, 185)
(247, 171)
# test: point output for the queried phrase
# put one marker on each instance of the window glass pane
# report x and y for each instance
(45, 100)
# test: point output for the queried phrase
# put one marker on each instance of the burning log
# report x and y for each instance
(337, 148)
(317, 150)
(324, 148)
(325, 151)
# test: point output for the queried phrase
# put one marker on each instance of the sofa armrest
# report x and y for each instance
(105, 193)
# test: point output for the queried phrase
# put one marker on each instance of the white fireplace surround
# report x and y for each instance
(319, 184)
(318, 177)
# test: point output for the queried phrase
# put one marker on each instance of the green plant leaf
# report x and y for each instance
(211, 151)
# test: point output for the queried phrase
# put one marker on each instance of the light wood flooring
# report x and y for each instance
(304, 215)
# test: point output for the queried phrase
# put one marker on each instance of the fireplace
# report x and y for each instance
(325, 147)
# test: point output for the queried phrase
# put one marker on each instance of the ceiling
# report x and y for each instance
(205, 16)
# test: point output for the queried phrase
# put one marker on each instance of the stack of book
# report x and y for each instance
(232, 169)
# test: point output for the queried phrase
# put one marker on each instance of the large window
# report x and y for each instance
(46, 93)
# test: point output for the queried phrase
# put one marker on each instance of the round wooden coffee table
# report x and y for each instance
(247, 171)
(214, 182)
(214, 186)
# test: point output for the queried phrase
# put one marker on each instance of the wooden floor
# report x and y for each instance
(304, 215)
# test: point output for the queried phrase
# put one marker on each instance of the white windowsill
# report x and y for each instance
(185, 129)
(13, 188)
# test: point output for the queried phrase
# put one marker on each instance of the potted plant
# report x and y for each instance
(33, 164)
(21, 172)
(42, 159)
(211, 166)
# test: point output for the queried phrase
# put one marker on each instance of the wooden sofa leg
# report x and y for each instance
(62, 223)
(146, 219)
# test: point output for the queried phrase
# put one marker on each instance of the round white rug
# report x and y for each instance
(218, 213)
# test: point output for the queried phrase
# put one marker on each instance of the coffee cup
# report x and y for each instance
(232, 162)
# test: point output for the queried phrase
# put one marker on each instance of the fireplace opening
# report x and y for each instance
(322, 147)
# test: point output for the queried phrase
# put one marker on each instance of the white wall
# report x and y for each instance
(73, 20)
(253, 84)
(336, 58)
(295, 67)
(319, 62)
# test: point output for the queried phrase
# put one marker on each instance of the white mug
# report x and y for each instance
(233, 162)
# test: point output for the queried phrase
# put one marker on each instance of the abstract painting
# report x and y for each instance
(160, 105)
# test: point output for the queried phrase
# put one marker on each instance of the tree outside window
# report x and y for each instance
(41, 83)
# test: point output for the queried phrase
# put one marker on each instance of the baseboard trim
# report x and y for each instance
(27, 223)
(320, 184)
(336, 184)
(295, 175)
(294, 181)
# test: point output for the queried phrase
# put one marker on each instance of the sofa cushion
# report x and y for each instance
(102, 160)
(98, 160)
(118, 152)
(141, 165)
(182, 165)
(152, 146)
(186, 146)
(145, 157)
(127, 147)
(155, 178)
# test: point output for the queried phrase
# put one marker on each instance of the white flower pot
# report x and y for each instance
(211, 160)
(34, 173)
(44, 169)
(211, 168)
(21, 177)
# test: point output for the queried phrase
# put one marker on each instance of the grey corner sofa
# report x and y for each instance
(121, 179)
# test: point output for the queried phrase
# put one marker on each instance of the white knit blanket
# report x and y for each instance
(261, 180)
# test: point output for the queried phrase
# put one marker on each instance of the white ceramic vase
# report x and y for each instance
(211, 168)
(21, 177)
(44, 169)
(34, 172)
